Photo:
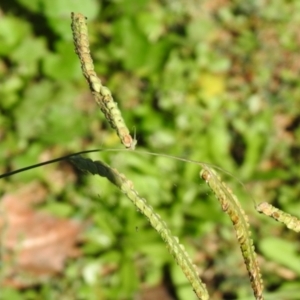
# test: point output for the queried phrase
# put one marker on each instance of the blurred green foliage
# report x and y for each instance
(212, 80)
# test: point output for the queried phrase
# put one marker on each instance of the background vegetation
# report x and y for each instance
(214, 81)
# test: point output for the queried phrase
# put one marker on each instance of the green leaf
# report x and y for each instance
(63, 64)
(59, 209)
(32, 5)
(281, 251)
(132, 43)
(58, 13)
(12, 31)
(28, 54)
(58, 9)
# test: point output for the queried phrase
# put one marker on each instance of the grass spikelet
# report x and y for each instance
(232, 207)
(126, 186)
(288, 220)
(102, 94)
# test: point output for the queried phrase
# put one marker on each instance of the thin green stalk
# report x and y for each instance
(7, 174)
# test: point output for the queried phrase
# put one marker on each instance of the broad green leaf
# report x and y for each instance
(63, 64)
(28, 55)
(32, 5)
(12, 31)
(274, 247)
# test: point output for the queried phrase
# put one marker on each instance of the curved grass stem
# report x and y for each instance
(126, 186)
(232, 207)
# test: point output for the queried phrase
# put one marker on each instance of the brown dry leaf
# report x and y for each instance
(156, 292)
(281, 123)
(32, 242)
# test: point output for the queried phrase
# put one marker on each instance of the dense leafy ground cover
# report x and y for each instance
(214, 81)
